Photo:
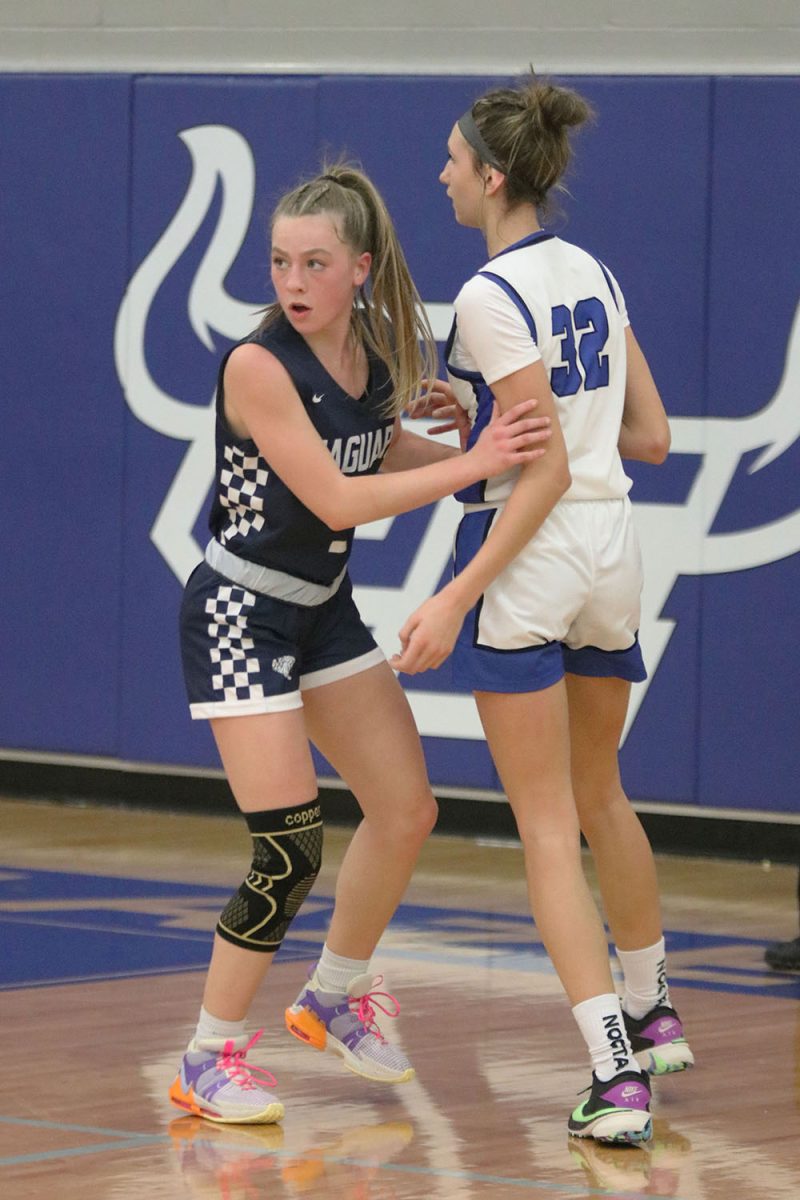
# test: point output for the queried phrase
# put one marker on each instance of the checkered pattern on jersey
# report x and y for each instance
(241, 491)
(236, 666)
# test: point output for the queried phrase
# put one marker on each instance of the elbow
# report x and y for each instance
(563, 480)
(658, 446)
(337, 520)
(337, 509)
(646, 445)
(663, 445)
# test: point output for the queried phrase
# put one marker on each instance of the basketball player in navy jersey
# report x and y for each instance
(274, 650)
(543, 610)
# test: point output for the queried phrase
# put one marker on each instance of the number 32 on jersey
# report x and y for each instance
(584, 333)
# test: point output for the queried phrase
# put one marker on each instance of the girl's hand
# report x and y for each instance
(440, 403)
(512, 439)
(428, 636)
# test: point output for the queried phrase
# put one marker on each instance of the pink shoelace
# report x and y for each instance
(246, 1077)
(364, 1007)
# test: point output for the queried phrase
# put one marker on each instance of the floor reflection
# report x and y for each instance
(654, 1170)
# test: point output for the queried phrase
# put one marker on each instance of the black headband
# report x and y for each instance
(472, 135)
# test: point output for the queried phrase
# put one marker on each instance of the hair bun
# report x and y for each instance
(557, 107)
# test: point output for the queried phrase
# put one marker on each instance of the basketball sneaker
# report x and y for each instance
(215, 1082)
(658, 1042)
(618, 1110)
(345, 1023)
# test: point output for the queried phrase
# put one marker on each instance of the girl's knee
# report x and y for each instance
(413, 819)
(598, 807)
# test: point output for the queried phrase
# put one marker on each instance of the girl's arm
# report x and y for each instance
(644, 433)
(409, 450)
(262, 403)
(428, 636)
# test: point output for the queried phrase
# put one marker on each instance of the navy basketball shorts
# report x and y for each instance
(568, 603)
(246, 653)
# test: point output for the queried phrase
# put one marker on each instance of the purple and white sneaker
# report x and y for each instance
(658, 1041)
(215, 1082)
(345, 1023)
(618, 1110)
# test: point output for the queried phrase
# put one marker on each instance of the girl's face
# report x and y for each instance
(315, 274)
(465, 186)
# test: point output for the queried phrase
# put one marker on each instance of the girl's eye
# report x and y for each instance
(278, 262)
(315, 262)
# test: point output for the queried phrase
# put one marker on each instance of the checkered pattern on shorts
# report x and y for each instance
(239, 486)
(237, 667)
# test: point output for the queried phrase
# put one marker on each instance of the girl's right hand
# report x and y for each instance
(512, 439)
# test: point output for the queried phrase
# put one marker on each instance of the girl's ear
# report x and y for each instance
(493, 180)
(363, 264)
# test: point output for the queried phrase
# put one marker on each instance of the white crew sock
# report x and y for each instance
(212, 1029)
(645, 975)
(600, 1021)
(335, 972)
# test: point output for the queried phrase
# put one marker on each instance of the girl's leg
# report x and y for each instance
(625, 868)
(624, 861)
(528, 735)
(364, 727)
(269, 767)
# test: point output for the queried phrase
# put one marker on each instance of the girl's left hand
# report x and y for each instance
(428, 636)
(440, 403)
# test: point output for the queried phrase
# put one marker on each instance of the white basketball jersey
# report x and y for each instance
(544, 298)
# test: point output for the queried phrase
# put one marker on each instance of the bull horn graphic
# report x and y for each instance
(218, 153)
(682, 545)
(685, 545)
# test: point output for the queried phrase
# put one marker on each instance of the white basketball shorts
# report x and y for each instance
(569, 602)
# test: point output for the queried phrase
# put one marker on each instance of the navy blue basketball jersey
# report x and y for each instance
(253, 514)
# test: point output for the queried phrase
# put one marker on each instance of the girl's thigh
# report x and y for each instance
(364, 727)
(267, 759)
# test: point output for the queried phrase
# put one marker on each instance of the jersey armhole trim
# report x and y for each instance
(607, 277)
(514, 296)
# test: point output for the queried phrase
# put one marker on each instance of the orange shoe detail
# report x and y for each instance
(307, 1027)
(184, 1100)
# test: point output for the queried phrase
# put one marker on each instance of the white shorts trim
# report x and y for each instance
(343, 670)
(245, 708)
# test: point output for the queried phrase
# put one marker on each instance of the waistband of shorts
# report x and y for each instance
(488, 505)
(267, 581)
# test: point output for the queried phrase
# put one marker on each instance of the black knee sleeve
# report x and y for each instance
(287, 853)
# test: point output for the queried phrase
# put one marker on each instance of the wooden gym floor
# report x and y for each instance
(106, 919)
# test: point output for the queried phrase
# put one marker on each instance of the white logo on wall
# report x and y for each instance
(679, 545)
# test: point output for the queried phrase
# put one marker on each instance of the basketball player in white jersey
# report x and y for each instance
(543, 610)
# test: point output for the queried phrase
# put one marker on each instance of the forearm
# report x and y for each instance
(364, 498)
(411, 450)
(645, 444)
(644, 433)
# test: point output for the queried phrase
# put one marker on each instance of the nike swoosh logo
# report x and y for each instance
(315, 399)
